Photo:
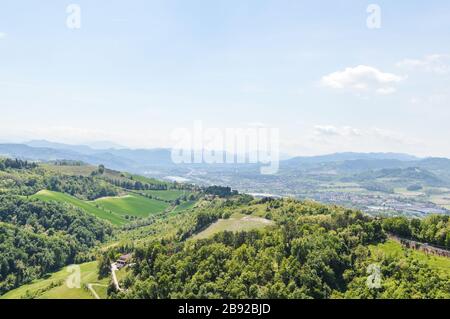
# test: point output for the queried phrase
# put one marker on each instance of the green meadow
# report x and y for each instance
(144, 179)
(183, 206)
(171, 194)
(55, 286)
(393, 248)
(113, 209)
(131, 204)
(236, 223)
(88, 207)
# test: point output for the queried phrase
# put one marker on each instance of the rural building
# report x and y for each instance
(123, 260)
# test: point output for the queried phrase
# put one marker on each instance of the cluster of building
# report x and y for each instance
(380, 204)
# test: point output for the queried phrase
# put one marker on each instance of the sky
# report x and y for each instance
(332, 76)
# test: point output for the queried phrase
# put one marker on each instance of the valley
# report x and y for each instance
(195, 241)
(376, 183)
(224, 158)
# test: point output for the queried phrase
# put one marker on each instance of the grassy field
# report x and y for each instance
(170, 194)
(393, 248)
(235, 223)
(122, 273)
(132, 204)
(55, 287)
(144, 179)
(89, 207)
(183, 206)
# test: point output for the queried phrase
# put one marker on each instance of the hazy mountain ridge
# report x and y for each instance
(350, 156)
(159, 160)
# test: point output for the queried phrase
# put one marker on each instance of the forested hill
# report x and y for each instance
(309, 251)
(202, 242)
(39, 237)
(59, 213)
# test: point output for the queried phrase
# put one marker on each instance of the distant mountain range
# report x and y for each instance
(350, 156)
(121, 159)
(158, 161)
(100, 145)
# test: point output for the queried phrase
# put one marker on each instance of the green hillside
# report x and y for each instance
(132, 204)
(220, 245)
(171, 194)
(394, 249)
(71, 170)
(184, 206)
(236, 223)
(90, 208)
(147, 180)
(55, 287)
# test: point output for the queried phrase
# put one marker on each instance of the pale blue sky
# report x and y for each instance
(137, 70)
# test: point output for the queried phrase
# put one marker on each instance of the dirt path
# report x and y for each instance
(114, 277)
(92, 290)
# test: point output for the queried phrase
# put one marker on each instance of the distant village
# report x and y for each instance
(381, 204)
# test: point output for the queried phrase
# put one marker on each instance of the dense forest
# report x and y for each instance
(25, 256)
(37, 238)
(40, 237)
(434, 229)
(314, 251)
(220, 191)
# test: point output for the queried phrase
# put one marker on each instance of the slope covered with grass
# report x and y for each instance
(55, 286)
(171, 194)
(236, 223)
(392, 248)
(89, 207)
(132, 205)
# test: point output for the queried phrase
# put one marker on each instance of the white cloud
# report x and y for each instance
(341, 136)
(362, 78)
(2, 35)
(433, 63)
(330, 130)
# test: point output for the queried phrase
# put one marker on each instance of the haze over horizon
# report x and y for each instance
(133, 74)
(108, 145)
